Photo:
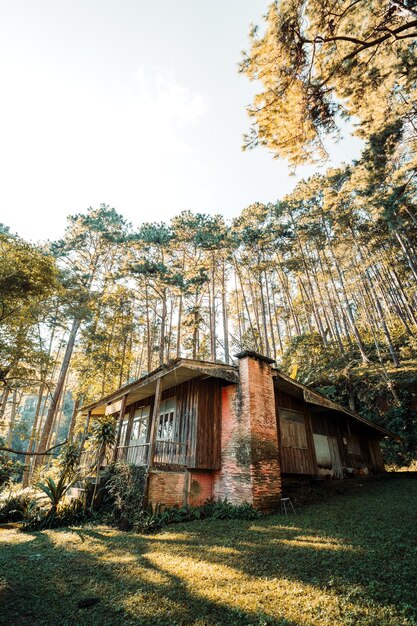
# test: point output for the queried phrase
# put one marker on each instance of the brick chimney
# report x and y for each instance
(258, 408)
(250, 454)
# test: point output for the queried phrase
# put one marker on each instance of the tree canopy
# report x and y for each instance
(317, 61)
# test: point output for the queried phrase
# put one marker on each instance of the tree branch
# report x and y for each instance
(34, 453)
(362, 42)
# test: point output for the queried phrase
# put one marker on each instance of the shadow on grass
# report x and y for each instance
(47, 584)
(354, 554)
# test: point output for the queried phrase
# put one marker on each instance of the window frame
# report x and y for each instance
(298, 424)
(167, 415)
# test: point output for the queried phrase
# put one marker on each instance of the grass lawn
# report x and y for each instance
(349, 560)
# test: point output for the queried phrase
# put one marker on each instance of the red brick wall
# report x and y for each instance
(200, 488)
(234, 480)
(258, 400)
(250, 458)
(166, 488)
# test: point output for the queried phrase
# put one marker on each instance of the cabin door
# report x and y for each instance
(335, 456)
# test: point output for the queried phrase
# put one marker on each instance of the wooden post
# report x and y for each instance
(119, 427)
(152, 437)
(155, 416)
(128, 430)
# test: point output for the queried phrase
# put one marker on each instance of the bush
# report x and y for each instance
(11, 469)
(13, 506)
(68, 460)
(124, 488)
(68, 514)
(149, 521)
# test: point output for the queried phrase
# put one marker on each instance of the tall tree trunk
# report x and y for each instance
(331, 304)
(282, 279)
(57, 393)
(171, 311)
(13, 413)
(239, 314)
(277, 322)
(4, 400)
(32, 440)
(225, 315)
(403, 241)
(179, 326)
(374, 297)
(77, 405)
(245, 302)
(148, 331)
(263, 313)
(163, 325)
(212, 295)
(349, 313)
(271, 325)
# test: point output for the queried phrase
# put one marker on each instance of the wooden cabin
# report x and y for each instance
(210, 430)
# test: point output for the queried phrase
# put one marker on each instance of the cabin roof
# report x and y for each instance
(173, 373)
(181, 370)
(294, 388)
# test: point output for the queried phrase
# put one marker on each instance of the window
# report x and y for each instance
(140, 426)
(293, 430)
(123, 430)
(167, 420)
(323, 456)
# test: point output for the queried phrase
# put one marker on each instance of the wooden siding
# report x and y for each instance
(208, 449)
(198, 411)
(294, 459)
(376, 455)
(356, 447)
(330, 426)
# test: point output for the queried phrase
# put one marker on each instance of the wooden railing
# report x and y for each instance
(167, 452)
(134, 454)
(170, 452)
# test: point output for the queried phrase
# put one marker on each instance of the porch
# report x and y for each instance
(165, 453)
(169, 418)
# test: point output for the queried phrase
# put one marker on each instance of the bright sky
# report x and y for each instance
(131, 103)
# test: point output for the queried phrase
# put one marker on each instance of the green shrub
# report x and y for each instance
(68, 460)
(124, 487)
(67, 514)
(38, 517)
(150, 521)
(13, 506)
(225, 510)
(72, 513)
(11, 469)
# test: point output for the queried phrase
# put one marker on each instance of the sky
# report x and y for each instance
(138, 105)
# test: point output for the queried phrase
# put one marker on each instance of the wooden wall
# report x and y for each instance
(324, 424)
(357, 446)
(199, 419)
(295, 460)
(208, 431)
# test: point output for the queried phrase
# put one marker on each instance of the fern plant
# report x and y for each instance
(55, 492)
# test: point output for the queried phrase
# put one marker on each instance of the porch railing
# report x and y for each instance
(166, 452)
(170, 452)
(134, 454)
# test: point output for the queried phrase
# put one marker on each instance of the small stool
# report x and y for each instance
(284, 503)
